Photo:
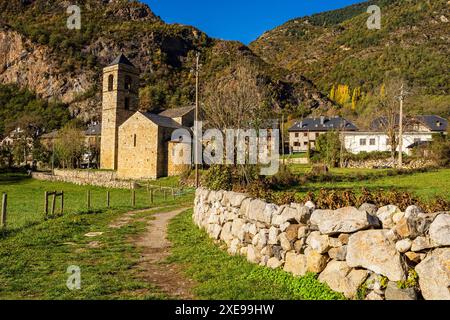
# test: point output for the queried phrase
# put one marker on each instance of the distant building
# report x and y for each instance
(417, 130)
(303, 134)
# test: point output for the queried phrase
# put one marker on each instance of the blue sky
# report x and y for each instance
(243, 20)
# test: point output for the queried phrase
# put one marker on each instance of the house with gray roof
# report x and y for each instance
(303, 134)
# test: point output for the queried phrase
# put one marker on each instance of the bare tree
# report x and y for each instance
(235, 100)
(388, 114)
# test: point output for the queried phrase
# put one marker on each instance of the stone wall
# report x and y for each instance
(369, 164)
(107, 179)
(376, 249)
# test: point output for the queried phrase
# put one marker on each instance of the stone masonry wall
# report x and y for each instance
(107, 179)
(391, 254)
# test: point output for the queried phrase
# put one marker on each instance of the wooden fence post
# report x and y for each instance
(108, 198)
(53, 204)
(88, 199)
(173, 193)
(46, 205)
(62, 202)
(165, 195)
(133, 198)
(4, 208)
(151, 196)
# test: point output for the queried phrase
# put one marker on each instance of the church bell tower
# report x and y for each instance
(120, 101)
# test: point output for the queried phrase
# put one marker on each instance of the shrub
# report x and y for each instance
(219, 177)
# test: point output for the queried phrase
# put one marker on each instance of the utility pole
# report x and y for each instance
(282, 139)
(400, 135)
(53, 156)
(197, 179)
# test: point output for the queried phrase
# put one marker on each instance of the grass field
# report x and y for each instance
(426, 185)
(26, 198)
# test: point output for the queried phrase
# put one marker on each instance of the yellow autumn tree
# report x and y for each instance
(333, 93)
(355, 97)
(342, 95)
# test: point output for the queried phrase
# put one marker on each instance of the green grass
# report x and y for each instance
(26, 198)
(220, 276)
(33, 262)
(426, 185)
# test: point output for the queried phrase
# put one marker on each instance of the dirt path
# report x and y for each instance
(155, 249)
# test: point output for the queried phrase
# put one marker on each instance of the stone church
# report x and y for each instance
(136, 144)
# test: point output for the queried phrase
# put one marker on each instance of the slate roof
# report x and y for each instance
(323, 124)
(121, 59)
(162, 121)
(177, 112)
(432, 122)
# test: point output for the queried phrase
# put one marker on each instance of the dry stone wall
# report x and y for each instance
(383, 252)
(107, 179)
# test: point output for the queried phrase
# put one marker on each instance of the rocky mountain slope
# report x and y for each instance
(336, 47)
(39, 52)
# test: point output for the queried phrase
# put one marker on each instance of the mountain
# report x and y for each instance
(39, 52)
(336, 48)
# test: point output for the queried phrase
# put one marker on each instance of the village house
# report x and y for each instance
(417, 130)
(303, 134)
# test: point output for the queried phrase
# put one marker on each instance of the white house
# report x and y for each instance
(356, 142)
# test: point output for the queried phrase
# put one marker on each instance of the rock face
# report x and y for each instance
(440, 230)
(345, 247)
(434, 275)
(373, 250)
(345, 220)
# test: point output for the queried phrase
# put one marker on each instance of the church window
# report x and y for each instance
(127, 103)
(110, 82)
(127, 83)
(134, 141)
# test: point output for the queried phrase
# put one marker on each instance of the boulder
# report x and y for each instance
(343, 238)
(289, 214)
(341, 278)
(237, 227)
(277, 252)
(253, 255)
(243, 211)
(292, 232)
(284, 242)
(403, 246)
(434, 275)
(315, 262)
(257, 211)
(310, 205)
(385, 215)
(421, 244)
(344, 220)
(369, 208)
(295, 263)
(338, 254)
(274, 263)
(235, 247)
(298, 245)
(412, 211)
(393, 292)
(440, 230)
(413, 257)
(373, 296)
(373, 250)
(303, 213)
(263, 238)
(214, 231)
(233, 199)
(226, 234)
(273, 235)
(302, 232)
(318, 242)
